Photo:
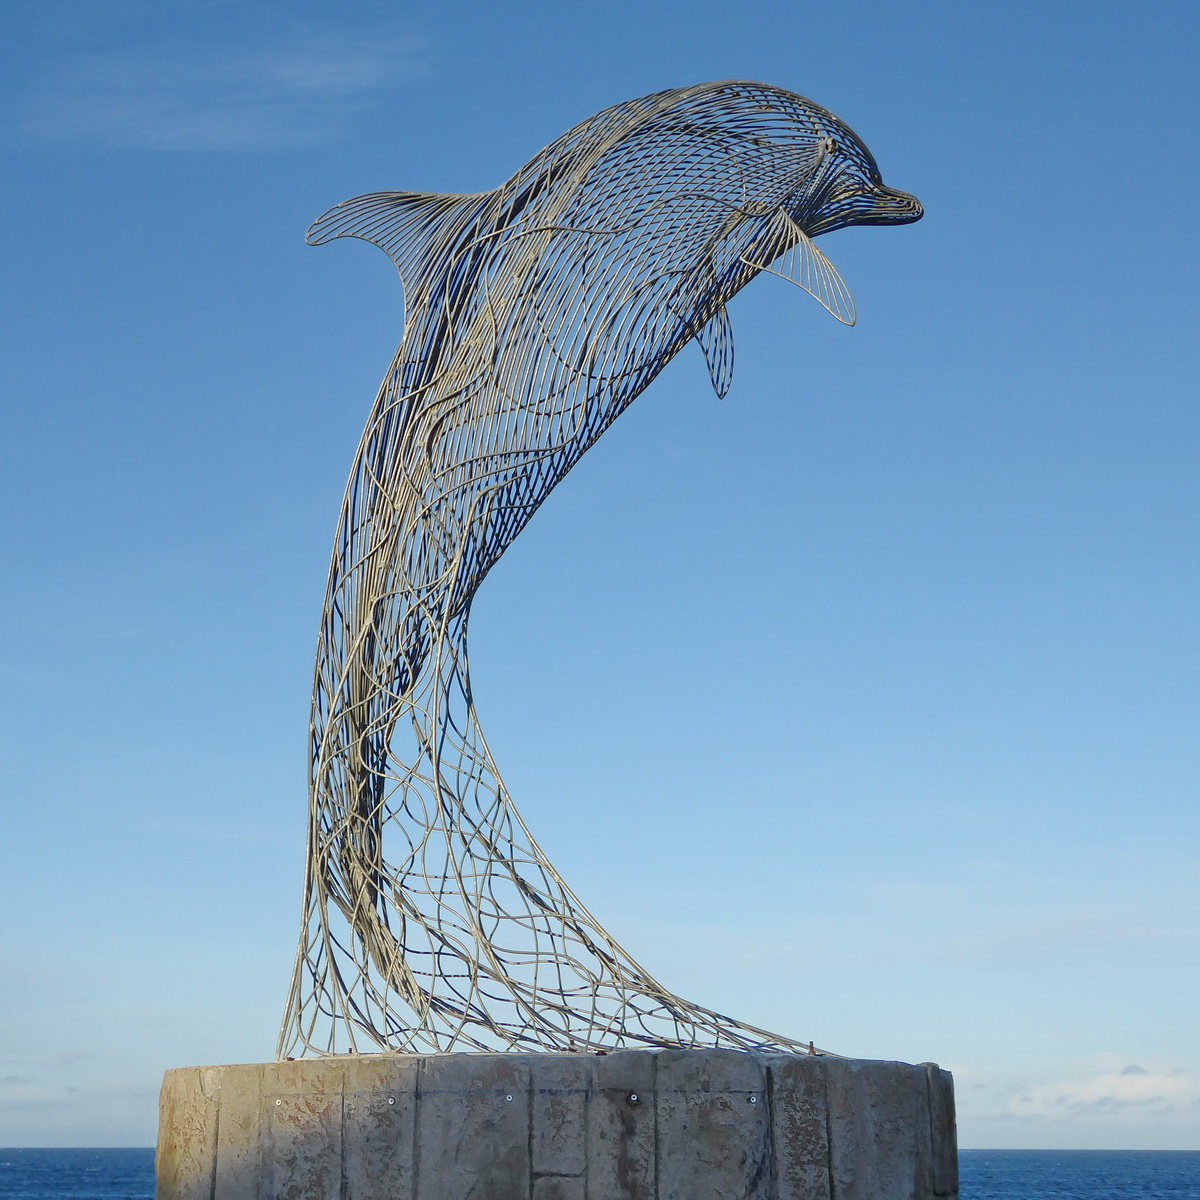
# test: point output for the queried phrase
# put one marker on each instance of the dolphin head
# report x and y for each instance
(839, 183)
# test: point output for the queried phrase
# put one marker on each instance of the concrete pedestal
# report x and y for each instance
(630, 1125)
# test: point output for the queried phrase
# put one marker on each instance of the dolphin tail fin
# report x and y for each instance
(805, 266)
(402, 224)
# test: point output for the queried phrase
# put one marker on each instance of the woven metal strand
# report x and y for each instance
(534, 315)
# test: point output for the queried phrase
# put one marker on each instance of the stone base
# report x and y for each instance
(630, 1125)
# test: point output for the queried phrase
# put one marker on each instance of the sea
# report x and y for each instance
(985, 1174)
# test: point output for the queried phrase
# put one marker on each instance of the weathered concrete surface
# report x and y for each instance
(631, 1125)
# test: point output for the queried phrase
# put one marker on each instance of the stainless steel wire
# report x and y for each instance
(534, 315)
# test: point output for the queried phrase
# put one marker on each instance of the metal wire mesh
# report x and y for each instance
(534, 315)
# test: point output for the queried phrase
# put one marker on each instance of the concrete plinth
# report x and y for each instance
(631, 1125)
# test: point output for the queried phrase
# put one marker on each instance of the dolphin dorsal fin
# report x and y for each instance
(716, 340)
(406, 226)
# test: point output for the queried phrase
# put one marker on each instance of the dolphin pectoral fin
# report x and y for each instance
(716, 340)
(404, 225)
(805, 266)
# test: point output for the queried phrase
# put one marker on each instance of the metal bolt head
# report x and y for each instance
(278, 1103)
(753, 1099)
(508, 1099)
(391, 1099)
(633, 1097)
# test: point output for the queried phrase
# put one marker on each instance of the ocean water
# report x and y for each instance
(1079, 1174)
(77, 1174)
(986, 1174)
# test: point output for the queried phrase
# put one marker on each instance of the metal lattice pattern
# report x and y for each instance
(534, 314)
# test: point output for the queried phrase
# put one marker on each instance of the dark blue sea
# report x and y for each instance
(1079, 1174)
(77, 1174)
(986, 1174)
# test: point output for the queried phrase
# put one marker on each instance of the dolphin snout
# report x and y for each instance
(893, 207)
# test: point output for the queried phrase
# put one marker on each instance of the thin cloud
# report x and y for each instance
(1133, 1087)
(71, 1058)
(296, 91)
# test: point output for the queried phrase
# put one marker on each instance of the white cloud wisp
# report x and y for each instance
(294, 91)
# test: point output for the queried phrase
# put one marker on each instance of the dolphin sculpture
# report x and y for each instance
(533, 315)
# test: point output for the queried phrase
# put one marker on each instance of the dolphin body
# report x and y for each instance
(534, 314)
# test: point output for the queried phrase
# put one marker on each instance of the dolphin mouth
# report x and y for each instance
(890, 206)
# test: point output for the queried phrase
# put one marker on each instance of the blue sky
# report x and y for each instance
(861, 704)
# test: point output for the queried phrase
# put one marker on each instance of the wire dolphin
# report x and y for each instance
(534, 315)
